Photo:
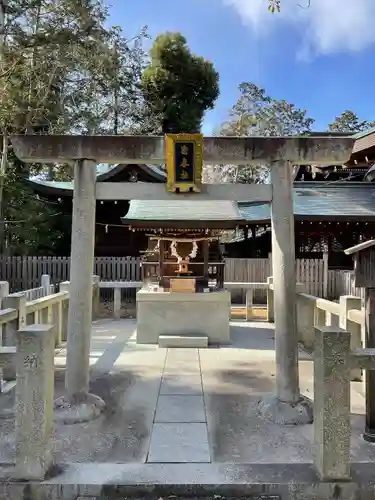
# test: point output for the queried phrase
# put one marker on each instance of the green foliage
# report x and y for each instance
(349, 122)
(33, 226)
(274, 6)
(179, 85)
(257, 114)
(62, 70)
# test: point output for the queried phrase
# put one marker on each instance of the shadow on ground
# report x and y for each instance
(128, 378)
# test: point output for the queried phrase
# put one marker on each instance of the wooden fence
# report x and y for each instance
(311, 272)
(24, 273)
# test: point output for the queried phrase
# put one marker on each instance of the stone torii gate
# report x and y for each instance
(287, 406)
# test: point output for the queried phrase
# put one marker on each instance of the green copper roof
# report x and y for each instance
(311, 200)
(182, 210)
(54, 184)
(369, 131)
(323, 200)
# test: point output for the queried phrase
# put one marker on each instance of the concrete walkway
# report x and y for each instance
(188, 408)
(189, 405)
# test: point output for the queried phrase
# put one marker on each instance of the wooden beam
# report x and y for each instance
(150, 149)
(257, 193)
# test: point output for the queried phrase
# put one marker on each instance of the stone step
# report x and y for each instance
(182, 341)
(184, 481)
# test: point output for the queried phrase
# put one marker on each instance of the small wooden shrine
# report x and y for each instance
(183, 262)
(183, 252)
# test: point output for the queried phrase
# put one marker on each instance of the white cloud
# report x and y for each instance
(327, 26)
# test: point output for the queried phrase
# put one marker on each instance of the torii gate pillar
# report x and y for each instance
(78, 405)
(287, 406)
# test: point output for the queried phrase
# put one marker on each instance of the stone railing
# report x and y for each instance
(333, 361)
(30, 332)
(250, 289)
(18, 312)
(314, 312)
(117, 286)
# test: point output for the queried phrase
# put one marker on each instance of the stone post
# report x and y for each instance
(117, 303)
(249, 303)
(287, 406)
(332, 403)
(4, 291)
(45, 315)
(95, 296)
(332, 319)
(78, 405)
(270, 302)
(13, 301)
(305, 320)
(348, 302)
(45, 282)
(57, 312)
(34, 401)
(320, 317)
(64, 287)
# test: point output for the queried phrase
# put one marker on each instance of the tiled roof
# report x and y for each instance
(360, 135)
(182, 210)
(364, 140)
(104, 172)
(314, 200)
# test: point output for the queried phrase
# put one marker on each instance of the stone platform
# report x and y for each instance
(183, 314)
(185, 422)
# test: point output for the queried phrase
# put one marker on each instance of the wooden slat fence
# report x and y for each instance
(309, 272)
(342, 283)
(24, 273)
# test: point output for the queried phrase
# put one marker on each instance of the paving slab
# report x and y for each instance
(179, 443)
(181, 384)
(180, 408)
(182, 353)
(181, 366)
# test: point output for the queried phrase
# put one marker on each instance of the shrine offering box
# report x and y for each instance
(182, 285)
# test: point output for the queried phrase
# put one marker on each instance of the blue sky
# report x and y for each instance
(321, 59)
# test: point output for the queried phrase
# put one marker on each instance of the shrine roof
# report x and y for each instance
(219, 214)
(155, 173)
(322, 201)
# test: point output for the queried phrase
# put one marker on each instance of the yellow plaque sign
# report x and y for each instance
(184, 162)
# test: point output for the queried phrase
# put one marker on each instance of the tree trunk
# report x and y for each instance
(4, 152)
(4, 160)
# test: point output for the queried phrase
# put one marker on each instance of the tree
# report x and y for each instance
(178, 84)
(62, 70)
(349, 122)
(257, 114)
(275, 5)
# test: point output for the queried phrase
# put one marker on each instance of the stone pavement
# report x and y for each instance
(190, 408)
(184, 405)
